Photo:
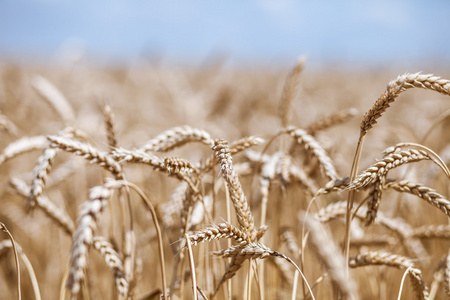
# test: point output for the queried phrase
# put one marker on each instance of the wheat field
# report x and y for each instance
(153, 182)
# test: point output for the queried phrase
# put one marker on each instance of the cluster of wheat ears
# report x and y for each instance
(189, 214)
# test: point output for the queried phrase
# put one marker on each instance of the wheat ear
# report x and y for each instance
(109, 125)
(393, 90)
(288, 238)
(432, 231)
(447, 275)
(240, 253)
(49, 208)
(177, 137)
(89, 215)
(21, 146)
(312, 146)
(331, 120)
(428, 194)
(87, 151)
(235, 148)
(376, 176)
(383, 166)
(7, 125)
(245, 143)
(393, 260)
(40, 173)
(55, 98)
(113, 261)
(214, 232)
(245, 217)
(290, 91)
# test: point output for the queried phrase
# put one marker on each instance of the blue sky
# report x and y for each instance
(353, 33)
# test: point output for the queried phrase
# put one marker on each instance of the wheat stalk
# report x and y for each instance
(16, 257)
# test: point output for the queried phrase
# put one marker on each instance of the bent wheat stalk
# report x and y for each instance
(16, 257)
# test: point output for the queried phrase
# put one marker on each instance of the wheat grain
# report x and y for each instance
(177, 165)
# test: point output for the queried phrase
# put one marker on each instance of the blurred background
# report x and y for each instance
(409, 35)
